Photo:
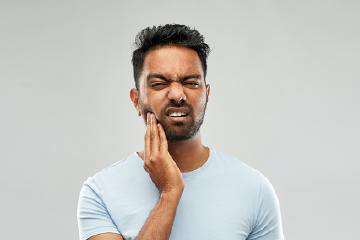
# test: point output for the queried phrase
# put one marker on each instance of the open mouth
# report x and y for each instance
(177, 114)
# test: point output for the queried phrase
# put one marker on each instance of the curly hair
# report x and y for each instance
(156, 37)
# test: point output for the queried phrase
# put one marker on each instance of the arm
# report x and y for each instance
(157, 226)
(168, 179)
(268, 224)
(107, 236)
(166, 176)
(93, 217)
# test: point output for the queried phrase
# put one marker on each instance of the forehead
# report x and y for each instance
(172, 62)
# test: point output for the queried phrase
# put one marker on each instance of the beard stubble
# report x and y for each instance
(178, 132)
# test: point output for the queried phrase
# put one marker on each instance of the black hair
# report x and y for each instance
(156, 37)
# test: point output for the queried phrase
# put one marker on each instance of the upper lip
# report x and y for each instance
(177, 110)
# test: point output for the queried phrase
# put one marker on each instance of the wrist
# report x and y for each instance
(173, 194)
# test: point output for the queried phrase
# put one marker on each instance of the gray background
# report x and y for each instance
(284, 99)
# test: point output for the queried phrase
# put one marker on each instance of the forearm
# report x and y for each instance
(167, 177)
(160, 221)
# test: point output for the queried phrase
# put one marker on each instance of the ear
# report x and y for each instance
(134, 96)
(207, 92)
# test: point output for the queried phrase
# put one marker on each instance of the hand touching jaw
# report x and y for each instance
(158, 162)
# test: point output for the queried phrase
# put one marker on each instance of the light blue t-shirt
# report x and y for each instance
(223, 199)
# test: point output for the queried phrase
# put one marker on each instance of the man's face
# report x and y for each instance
(172, 86)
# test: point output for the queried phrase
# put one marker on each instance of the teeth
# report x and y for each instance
(177, 114)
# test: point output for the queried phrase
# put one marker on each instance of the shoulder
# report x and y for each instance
(231, 164)
(251, 176)
(117, 172)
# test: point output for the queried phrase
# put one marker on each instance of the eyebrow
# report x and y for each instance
(160, 76)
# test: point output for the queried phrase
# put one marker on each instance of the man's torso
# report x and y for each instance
(221, 199)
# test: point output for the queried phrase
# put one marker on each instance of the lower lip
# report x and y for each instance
(178, 119)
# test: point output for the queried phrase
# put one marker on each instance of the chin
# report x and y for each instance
(180, 136)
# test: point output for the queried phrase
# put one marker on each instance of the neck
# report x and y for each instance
(188, 155)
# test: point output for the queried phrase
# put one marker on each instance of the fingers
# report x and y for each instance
(147, 140)
(162, 137)
(151, 138)
(154, 135)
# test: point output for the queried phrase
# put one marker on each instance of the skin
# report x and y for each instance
(169, 74)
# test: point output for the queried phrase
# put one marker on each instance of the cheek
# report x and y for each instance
(144, 107)
(200, 101)
(147, 105)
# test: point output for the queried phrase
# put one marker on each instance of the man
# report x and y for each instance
(176, 188)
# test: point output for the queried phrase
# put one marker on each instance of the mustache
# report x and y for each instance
(173, 104)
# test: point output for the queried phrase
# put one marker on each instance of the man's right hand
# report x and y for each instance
(166, 176)
(158, 162)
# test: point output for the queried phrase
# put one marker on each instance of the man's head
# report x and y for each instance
(156, 37)
(170, 81)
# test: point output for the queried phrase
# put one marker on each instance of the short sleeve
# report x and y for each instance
(268, 224)
(93, 217)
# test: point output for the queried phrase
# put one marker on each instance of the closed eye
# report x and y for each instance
(158, 85)
(192, 84)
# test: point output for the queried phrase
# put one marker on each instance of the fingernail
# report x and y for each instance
(147, 117)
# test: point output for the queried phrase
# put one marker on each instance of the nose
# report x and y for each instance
(176, 92)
